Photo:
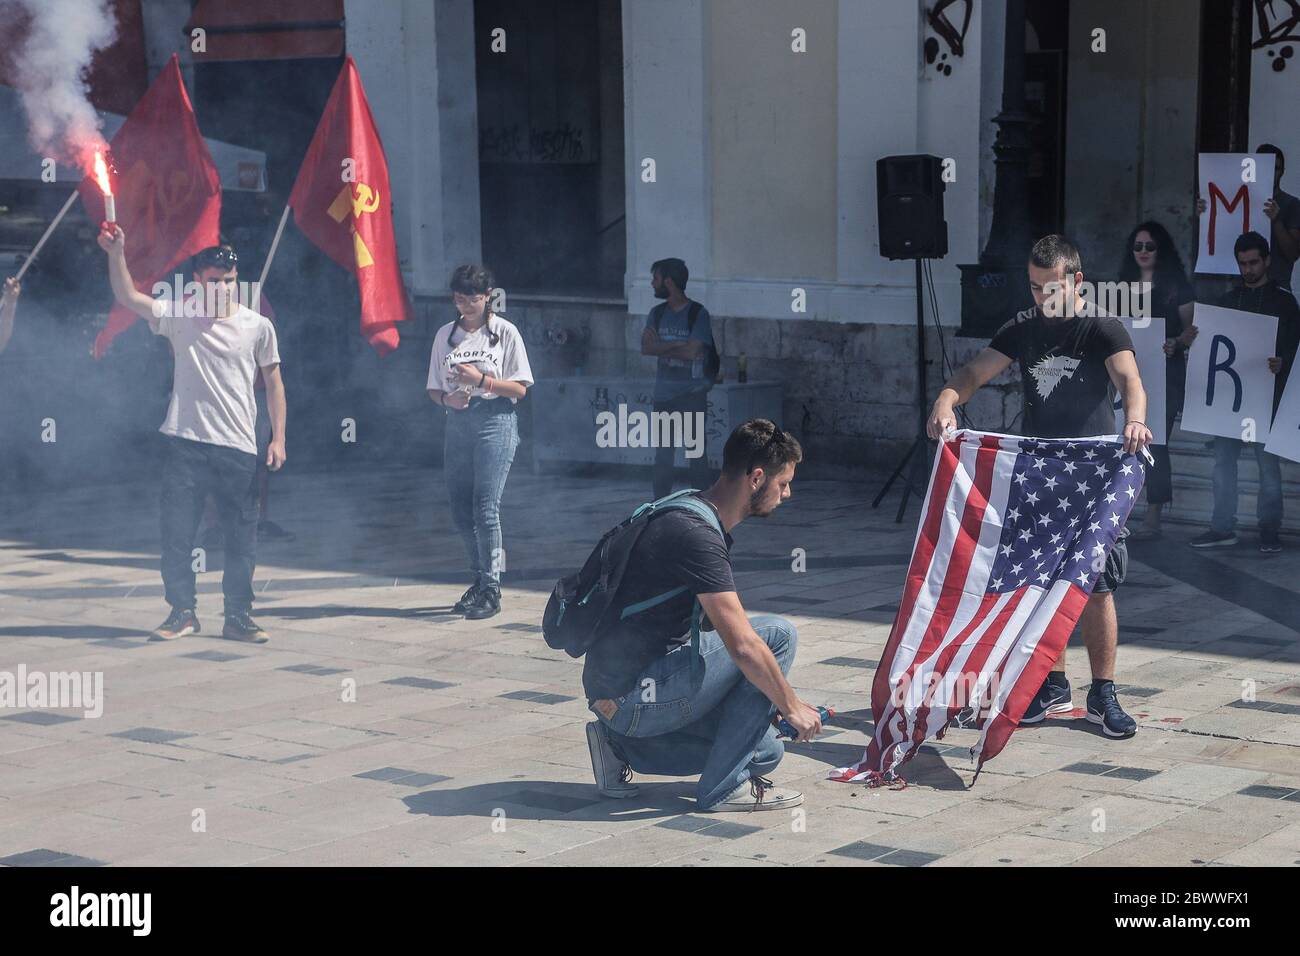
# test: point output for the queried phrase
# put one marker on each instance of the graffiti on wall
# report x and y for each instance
(946, 22)
(1278, 28)
(518, 143)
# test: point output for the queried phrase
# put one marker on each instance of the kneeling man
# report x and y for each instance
(662, 708)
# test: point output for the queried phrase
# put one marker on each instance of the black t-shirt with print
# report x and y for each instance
(678, 549)
(1065, 385)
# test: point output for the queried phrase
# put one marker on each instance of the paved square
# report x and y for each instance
(378, 728)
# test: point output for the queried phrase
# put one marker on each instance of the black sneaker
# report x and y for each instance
(486, 604)
(1270, 542)
(242, 627)
(1052, 698)
(1214, 539)
(1104, 709)
(179, 623)
(467, 599)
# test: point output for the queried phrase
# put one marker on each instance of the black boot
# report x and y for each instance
(467, 599)
(487, 603)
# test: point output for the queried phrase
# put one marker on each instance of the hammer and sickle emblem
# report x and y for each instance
(365, 200)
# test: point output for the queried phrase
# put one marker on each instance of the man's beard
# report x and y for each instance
(754, 500)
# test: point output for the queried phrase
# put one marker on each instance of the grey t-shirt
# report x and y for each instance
(216, 361)
(676, 377)
(1279, 266)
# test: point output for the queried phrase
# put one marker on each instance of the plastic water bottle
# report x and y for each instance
(785, 729)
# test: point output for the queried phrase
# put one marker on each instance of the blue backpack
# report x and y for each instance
(582, 607)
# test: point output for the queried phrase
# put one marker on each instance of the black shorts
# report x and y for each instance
(1112, 576)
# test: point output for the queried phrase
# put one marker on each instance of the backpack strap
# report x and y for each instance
(685, 501)
(662, 502)
(699, 507)
(691, 316)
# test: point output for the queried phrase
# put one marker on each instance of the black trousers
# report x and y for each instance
(1160, 476)
(700, 475)
(191, 471)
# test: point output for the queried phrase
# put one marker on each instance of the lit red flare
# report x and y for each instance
(101, 177)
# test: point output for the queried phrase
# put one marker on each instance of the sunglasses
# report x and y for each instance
(221, 258)
(1144, 247)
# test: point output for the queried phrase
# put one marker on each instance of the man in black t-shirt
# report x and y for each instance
(664, 709)
(1069, 359)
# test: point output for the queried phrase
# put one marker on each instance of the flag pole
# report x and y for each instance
(270, 254)
(48, 229)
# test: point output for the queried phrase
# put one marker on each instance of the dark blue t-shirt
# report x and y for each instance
(676, 377)
(677, 549)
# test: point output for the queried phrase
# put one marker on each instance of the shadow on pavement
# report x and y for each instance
(548, 800)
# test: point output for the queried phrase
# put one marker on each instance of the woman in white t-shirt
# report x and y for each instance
(478, 371)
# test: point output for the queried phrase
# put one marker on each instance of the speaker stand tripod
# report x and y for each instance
(912, 467)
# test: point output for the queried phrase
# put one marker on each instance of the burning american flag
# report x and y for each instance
(1014, 535)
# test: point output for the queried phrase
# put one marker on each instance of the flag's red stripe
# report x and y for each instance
(979, 655)
(916, 572)
(974, 664)
(1032, 677)
(959, 563)
(940, 668)
(940, 485)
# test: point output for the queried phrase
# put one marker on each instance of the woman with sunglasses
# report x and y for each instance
(1150, 258)
(478, 371)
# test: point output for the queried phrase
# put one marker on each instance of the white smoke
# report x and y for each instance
(51, 66)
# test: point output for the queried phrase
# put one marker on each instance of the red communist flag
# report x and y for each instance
(342, 202)
(166, 189)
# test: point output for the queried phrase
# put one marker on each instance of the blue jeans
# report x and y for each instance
(191, 471)
(478, 449)
(700, 476)
(708, 719)
(1269, 507)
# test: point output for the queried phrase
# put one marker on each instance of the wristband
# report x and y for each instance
(1126, 424)
(482, 379)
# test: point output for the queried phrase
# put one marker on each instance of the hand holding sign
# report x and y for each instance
(1229, 393)
(1235, 189)
(1148, 340)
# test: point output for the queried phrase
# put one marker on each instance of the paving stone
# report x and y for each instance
(153, 735)
(1268, 793)
(421, 682)
(217, 656)
(47, 858)
(40, 718)
(862, 850)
